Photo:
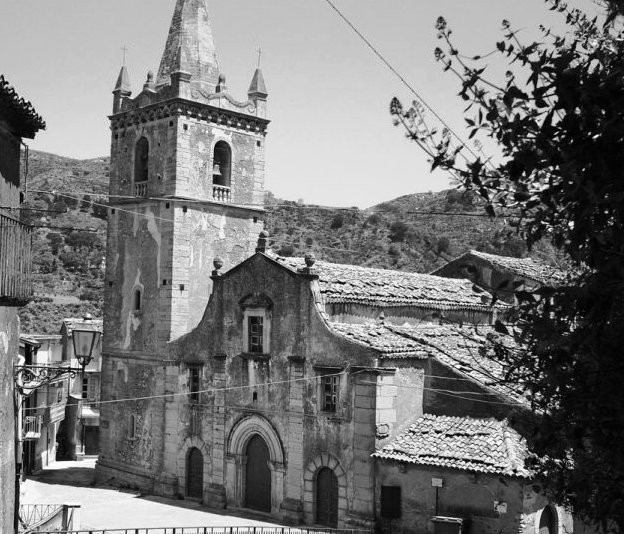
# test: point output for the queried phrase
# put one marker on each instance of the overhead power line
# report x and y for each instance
(401, 78)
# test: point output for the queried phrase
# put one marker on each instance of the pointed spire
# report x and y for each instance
(257, 88)
(123, 81)
(190, 46)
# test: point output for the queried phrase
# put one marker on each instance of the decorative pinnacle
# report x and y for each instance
(218, 264)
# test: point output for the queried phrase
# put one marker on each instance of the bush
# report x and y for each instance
(337, 221)
(398, 230)
(286, 251)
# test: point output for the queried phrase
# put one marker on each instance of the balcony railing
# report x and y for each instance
(140, 189)
(16, 280)
(220, 193)
(32, 427)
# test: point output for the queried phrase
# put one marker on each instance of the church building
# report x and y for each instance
(312, 392)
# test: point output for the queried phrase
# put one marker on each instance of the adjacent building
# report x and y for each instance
(18, 120)
(43, 409)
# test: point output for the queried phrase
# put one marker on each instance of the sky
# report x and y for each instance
(331, 140)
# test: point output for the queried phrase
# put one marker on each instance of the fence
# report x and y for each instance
(217, 530)
(16, 283)
(35, 518)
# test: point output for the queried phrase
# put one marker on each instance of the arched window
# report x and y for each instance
(141, 160)
(222, 164)
(137, 300)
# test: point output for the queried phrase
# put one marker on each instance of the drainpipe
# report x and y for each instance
(18, 458)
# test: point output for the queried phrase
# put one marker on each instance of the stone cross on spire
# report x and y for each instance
(190, 37)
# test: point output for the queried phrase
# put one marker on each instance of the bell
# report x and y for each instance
(216, 171)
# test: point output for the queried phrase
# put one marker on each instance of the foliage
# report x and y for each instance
(560, 175)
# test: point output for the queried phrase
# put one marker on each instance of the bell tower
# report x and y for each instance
(186, 186)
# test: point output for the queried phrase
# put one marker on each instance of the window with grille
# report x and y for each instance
(85, 388)
(329, 393)
(390, 502)
(194, 383)
(255, 334)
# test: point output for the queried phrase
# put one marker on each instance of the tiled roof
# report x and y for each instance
(523, 267)
(465, 349)
(481, 445)
(383, 287)
(18, 112)
(72, 322)
(381, 338)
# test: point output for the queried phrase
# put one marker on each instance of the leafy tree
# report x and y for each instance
(56, 241)
(337, 221)
(398, 231)
(561, 175)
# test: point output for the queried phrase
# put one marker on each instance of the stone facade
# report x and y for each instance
(187, 165)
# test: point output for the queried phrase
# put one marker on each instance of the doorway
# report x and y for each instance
(258, 476)
(194, 474)
(327, 498)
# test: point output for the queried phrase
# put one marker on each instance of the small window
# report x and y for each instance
(390, 502)
(329, 393)
(132, 427)
(256, 334)
(194, 383)
(137, 300)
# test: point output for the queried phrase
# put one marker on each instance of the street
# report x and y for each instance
(107, 507)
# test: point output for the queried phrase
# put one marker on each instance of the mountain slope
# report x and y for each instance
(69, 247)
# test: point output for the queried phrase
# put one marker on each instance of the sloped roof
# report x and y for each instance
(341, 283)
(465, 349)
(523, 267)
(381, 338)
(469, 444)
(72, 323)
(19, 112)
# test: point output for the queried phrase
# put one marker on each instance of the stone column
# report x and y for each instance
(217, 440)
(291, 506)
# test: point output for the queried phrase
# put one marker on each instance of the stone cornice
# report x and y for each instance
(177, 107)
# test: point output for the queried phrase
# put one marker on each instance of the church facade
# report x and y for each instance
(316, 393)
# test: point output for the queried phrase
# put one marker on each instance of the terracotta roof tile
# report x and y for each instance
(466, 349)
(523, 267)
(481, 445)
(340, 283)
(19, 112)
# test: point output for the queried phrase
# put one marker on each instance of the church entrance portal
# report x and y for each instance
(258, 476)
(194, 474)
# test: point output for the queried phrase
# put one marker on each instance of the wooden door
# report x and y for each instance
(92, 440)
(258, 479)
(327, 498)
(194, 474)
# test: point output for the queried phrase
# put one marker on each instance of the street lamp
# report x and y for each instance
(84, 339)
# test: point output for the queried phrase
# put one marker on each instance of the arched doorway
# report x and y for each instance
(258, 476)
(194, 474)
(327, 498)
(548, 521)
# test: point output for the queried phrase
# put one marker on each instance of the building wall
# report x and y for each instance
(9, 338)
(489, 504)
(9, 347)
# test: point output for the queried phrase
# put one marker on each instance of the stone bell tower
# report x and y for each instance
(186, 185)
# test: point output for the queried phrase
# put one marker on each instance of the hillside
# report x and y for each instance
(69, 249)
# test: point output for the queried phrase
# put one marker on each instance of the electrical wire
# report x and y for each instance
(400, 77)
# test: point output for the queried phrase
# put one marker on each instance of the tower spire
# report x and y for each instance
(190, 37)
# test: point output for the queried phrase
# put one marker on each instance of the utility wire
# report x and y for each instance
(400, 77)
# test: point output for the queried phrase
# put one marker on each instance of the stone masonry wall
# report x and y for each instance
(9, 346)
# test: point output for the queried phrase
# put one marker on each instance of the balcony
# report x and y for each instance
(31, 427)
(16, 281)
(221, 193)
(140, 189)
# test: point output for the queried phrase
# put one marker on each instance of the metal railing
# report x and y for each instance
(218, 530)
(31, 515)
(16, 281)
